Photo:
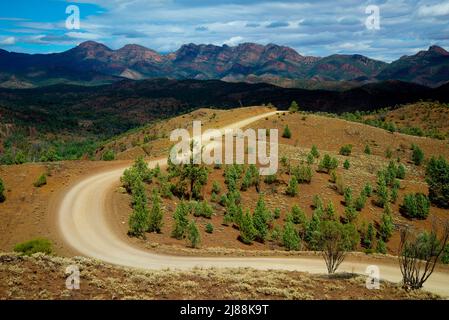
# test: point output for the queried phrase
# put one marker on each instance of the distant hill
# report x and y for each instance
(93, 63)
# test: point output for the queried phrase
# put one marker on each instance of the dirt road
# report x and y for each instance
(86, 228)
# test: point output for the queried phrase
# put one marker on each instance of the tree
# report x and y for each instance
(401, 172)
(386, 225)
(181, 221)
(335, 240)
(368, 190)
(327, 164)
(247, 230)
(260, 220)
(292, 188)
(109, 155)
(437, 174)
(360, 201)
(138, 221)
(290, 237)
(347, 164)
(193, 235)
(209, 228)
(419, 253)
(381, 247)
(287, 133)
(293, 107)
(417, 155)
(298, 216)
(369, 235)
(2, 191)
(314, 152)
(416, 206)
(383, 196)
(346, 150)
(156, 215)
(367, 150)
(330, 211)
(348, 197)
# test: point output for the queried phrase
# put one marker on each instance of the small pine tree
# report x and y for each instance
(290, 237)
(401, 172)
(260, 220)
(156, 215)
(292, 189)
(41, 181)
(216, 188)
(386, 224)
(381, 247)
(293, 107)
(297, 215)
(247, 230)
(347, 164)
(417, 155)
(209, 228)
(368, 190)
(383, 196)
(388, 153)
(346, 150)
(2, 191)
(330, 211)
(350, 214)
(310, 159)
(287, 133)
(348, 197)
(193, 235)
(360, 202)
(138, 221)
(367, 149)
(314, 152)
(368, 239)
(181, 221)
(277, 213)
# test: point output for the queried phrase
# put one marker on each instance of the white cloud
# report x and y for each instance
(234, 41)
(437, 10)
(8, 41)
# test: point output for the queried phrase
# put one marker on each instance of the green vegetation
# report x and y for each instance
(416, 206)
(193, 234)
(346, 150)
(209, 228)
(41, 181)
(202, 209)
(2, 191)
(314, 152)
(34, 246)
(290, 237)
(156, 215)
(138, 221)
(327, 164)
(180, 217)
(287, 133)
(347, 164)
(302, 173)
(292, 188)
(386, 226)
(109, 155)
(247, 231)
(367, 150)
(417, 155)
(437, 174)
(260, 220)
(293, 107)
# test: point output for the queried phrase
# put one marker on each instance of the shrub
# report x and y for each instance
(202, 209)
(386, 225)
(2, 191)
(310, 159)
(181, 222)
(34, 246)
(381, 247)
(298, 216)
(41, 181)
(270, 179)
(340, 185)
(383, 196)
(290, 237)
(327, 164)
(302, 173)
(348, 197)
(367, 149)
(368, 190)
(216, 187)
(156, 215)
(277, 213)
(445, 255)
(193, 235)
(247, 230)
(401, 172)
(360, 202)
(346, 150)
(346, 164)
(389, 153)
(350, 214)
(209, 228)
(333, 174)
(287, 133)
(138, 221)
(368, 237)
(417, 155)
(260, 219)
(437, 177)
(109, 155)
(329, 212)
(293, 107)
(292, 188)
(314, 152)
(416, 206)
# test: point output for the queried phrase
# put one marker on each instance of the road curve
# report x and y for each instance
(82, 221)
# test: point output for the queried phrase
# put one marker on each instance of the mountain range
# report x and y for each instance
(93, 63)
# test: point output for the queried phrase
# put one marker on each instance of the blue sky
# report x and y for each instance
(316, 28)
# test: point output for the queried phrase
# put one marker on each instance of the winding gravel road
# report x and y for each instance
(83, 223)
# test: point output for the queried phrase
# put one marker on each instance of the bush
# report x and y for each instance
(367, 149)
(346, 150)
(270, 179)
(383, 196)
(293, 107)
(181, 221)
(386, 226)
(193, 235)
(401, 172)
(360, 202)
(202, 209)
(41, 181)
(350, 214)
(416, 206)
(34, 246)
(277, 213)
(292, 188)
(2, 191)
(108, 155)
(314, 152)
(216, 187)
(327, 164)
(347, 165)
(302, 173)
(209, 228)
(368, 237)
(330, 211)
(389, 153)
(445, 255)
(381, 247)
(290, 237)
(260, 220)
(298, 216)
(287, 133)
(417, 155)
(348, 197)
(156, 215)
(247, 230)
(437, 177)
(368, 190)
(138, 221)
